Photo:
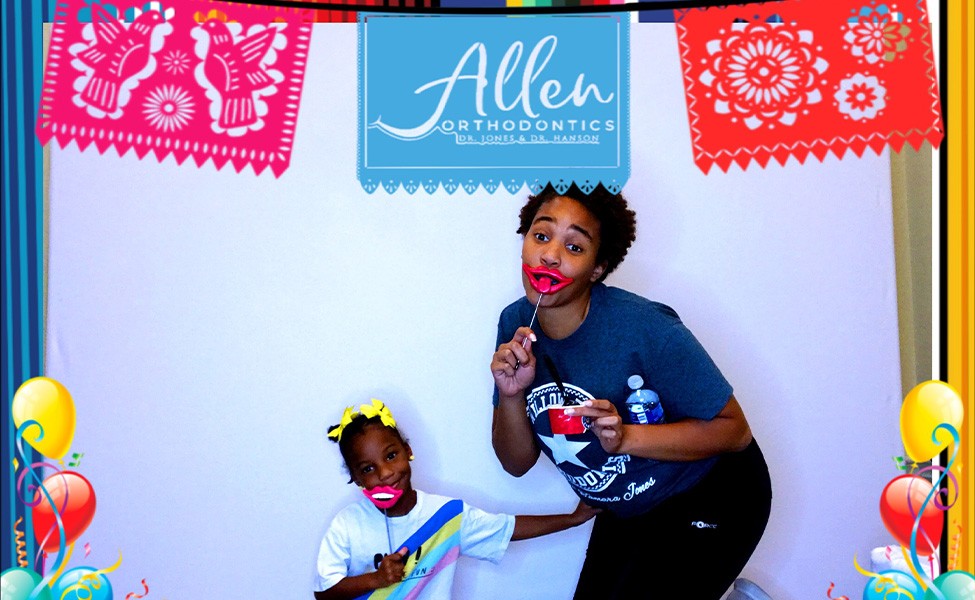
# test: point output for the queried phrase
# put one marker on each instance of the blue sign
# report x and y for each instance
(493, 100)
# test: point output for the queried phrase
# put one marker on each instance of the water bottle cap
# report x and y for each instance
(635, 382)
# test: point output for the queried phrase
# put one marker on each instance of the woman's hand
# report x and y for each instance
(606, 422)
(513, 365)
(391, 568)
(681, 440)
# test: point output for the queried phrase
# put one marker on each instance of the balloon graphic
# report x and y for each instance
(897, 517)
(99, 587)
(954, 585)
(18, 583)
(883, 589)
(46, 401)
(76, 513)
(925, 407)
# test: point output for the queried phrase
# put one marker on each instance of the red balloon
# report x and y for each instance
(76, 513)
(897, 516)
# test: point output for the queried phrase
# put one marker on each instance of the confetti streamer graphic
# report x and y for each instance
(89, 581)
(953, 553)
(75, 459)
(38, 485)
(905, 464)
(902, 510)
(20, 543)
(935, 494)
(829, 593)
(64, 563)
(145, 592)
(884, 583)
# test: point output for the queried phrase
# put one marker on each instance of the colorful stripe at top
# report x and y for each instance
(432, 548)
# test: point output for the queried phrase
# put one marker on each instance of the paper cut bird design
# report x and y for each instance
(235, 70)
(118, 53)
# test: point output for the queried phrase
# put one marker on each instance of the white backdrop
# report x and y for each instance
(211, 326)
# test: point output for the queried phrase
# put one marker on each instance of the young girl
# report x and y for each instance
(686, 501)
(400, 540)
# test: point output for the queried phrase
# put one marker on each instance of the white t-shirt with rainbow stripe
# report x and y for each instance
(436, 532)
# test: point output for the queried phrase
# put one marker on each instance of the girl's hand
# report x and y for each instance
(584, 512)
(513, 365)
(606, 422)
(391, 568)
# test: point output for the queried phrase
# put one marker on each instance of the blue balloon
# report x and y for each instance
(98, 588)
(882, 588)
(954, 585)
(17, 584)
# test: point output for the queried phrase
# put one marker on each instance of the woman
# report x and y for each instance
(686, 501)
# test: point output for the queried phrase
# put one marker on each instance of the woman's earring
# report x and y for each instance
(412, 457)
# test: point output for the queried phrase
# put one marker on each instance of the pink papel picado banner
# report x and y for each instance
(188, 78)
(801, 77)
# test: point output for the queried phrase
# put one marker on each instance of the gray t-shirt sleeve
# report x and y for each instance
(690, 385)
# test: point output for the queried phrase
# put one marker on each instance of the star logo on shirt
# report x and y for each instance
(564, 450)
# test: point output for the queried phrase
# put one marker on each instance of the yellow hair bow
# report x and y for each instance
(376, 409)
(335, 431)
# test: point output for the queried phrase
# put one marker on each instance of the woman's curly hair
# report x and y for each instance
(617, 223)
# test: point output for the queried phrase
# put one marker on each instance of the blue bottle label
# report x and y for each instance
(644, 407)
(638, 414)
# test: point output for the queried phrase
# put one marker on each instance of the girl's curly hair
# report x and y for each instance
(354, 429)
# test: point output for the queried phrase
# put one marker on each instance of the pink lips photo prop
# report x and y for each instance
(383, 496)
(544, 280)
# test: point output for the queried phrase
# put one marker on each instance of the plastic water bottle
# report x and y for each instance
(643, 404)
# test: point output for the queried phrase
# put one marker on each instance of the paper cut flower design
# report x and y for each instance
(877, 33)
(763, 73)
(861, 97)
(168, 108)
(176, 62)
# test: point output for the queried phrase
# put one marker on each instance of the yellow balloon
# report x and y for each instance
(928, 405)
(46, 401)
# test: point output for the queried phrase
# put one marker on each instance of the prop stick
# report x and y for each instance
(524, 342)
(544, 281)
(389, 536)
(384, 497)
